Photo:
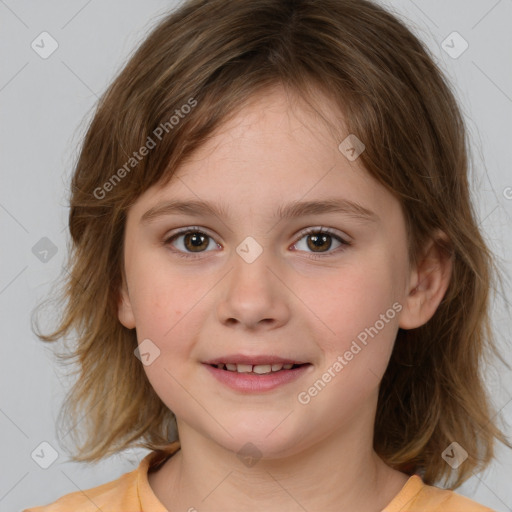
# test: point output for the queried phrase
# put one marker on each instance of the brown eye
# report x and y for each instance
(195, 241)
(318, 242)
(187, 242)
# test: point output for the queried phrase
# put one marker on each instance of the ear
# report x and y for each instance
(124, 307)
(429, 282)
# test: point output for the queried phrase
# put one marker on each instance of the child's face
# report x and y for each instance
(227, 299)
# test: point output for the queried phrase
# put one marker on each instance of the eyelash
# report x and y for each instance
(309, 231)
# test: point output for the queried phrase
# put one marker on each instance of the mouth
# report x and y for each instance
(257, 369)
(250, 376)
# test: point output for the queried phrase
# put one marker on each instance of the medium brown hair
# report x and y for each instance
(216, 55)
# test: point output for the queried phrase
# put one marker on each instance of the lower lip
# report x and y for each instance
(251, 383)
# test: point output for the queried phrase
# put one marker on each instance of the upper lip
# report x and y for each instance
(253, 360)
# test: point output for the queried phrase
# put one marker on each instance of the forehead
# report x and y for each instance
(275, 149)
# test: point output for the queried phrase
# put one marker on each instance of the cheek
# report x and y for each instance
(360, 308)
(355, 362)
(355, 301)
(167, 308)
(156, 310)
(159, 295)
(166, 315)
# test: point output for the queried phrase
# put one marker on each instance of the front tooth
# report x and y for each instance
(262, 368)
(276, 367)
(231, 367)
(243, 368)
(287, 366)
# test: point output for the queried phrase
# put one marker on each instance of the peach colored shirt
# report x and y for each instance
(132, 493)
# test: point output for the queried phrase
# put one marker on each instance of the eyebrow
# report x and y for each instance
(291, 210)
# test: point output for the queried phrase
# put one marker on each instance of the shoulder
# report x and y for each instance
(130, 492)
(112, 496)
(450, 501)
(417, 496)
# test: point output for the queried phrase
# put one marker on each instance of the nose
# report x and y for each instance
(254, 295)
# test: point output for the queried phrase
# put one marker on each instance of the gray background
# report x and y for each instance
(46, 105)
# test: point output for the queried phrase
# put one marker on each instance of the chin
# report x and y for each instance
(263, 440)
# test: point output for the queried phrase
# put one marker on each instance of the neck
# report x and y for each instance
(339, 472)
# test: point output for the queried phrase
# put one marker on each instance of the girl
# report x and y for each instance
(277, 280)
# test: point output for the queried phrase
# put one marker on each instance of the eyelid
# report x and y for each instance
(168, 238)
(188, 229)
(330, 231)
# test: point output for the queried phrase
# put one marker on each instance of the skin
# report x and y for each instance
(314, 456)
